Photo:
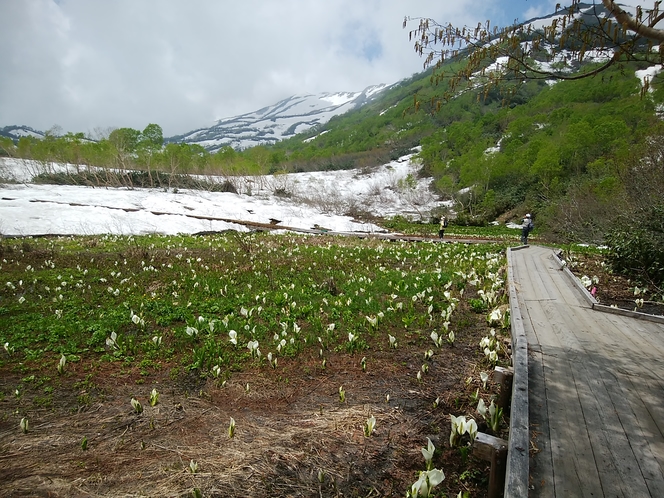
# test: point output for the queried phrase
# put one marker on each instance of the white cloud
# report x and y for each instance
(85, 64)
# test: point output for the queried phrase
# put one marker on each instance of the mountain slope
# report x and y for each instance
(273, 123)
(15, 132)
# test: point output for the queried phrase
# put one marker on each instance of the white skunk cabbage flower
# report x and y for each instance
(111, 342)
(428, 453)
(61, 365)
(481, 408)
(458, 427)
(428, 480)
(471, 429)
(495, 317)
(484, 377)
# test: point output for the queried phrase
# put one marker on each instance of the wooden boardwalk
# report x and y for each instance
(596, 389)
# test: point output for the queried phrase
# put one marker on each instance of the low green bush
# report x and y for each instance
(637, 248)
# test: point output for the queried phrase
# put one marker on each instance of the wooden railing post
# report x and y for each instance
(494, 450)
(503, 377)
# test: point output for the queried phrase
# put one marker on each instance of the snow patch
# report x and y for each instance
(316, 198)
(646, 75)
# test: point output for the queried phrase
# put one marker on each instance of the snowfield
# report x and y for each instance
(299, 200)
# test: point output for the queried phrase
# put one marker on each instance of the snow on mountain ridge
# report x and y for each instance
(284, 119)
(15, 132)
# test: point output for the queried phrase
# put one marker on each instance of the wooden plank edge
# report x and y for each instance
(517, 470)
(562, 265)
(633, 314)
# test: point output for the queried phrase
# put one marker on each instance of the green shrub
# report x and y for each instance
(469, 220)
(637, 248)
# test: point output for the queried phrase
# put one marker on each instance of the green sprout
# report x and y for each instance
(136, 405)
(231, 428)
(154, 397)
(369, 426)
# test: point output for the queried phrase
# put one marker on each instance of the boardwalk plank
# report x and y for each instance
(643, 434)
(636, 438)
(541, 468)
(615, 457)
(596, 384)
(574, 467)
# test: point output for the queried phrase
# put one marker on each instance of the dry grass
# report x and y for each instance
(290, 425)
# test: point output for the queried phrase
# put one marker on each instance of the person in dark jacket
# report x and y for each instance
(526, 227)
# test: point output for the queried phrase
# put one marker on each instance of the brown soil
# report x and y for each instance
(290, 425)
(613, 289)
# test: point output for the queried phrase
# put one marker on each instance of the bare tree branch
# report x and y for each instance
(624, 18)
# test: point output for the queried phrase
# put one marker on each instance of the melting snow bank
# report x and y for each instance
(50, 209)
(318, 200)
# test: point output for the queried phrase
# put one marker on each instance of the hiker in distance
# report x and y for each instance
(526, 227)
(443, 226)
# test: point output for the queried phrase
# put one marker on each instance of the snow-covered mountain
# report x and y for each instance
(15, 132)
(284, 119)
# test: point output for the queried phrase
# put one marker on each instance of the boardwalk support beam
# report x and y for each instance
(494, 450)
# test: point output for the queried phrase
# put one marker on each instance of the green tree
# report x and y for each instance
(8, 147)
(125, 141)
(152, 137)
(150, 142)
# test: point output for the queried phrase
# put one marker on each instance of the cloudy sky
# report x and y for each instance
(89, 65)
